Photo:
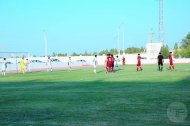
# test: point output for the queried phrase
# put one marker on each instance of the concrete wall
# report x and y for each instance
(130, 59)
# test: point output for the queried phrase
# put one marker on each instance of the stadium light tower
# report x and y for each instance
(118, 40)
(123, 41)
(161, 21)
(45, 43)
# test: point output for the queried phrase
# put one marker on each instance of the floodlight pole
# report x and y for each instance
(118, 40)
(45, 43)
(123, 42)
(161, 21)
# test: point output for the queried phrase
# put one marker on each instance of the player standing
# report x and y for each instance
(49, 64)
(160, 62)
(171, 61)
(117, 63)
(95, 63)
(108, 63)
(69, 63)
(27, 65)
(22, 65)
(4, 66)
(139, 63)
(123, 60)
(113, 60)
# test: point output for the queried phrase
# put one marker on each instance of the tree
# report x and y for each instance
(134, 50)
(74, 54)
(185, 46)
(176, 51)
(165, 51)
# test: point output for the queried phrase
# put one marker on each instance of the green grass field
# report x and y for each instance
(81, 98)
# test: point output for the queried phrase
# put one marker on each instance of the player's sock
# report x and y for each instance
(141, 68)
(106, 69)
(161, 69)
(94, 70)
(137, 69)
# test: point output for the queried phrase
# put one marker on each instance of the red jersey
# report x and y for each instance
(170, 59)
(138, 60)
(109, 61)
(113, 59)
(123, 60)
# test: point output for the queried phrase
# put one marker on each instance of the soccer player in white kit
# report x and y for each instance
(95, 63)
(117, 63)
(27, 65)
(4, 66)
(69, 63)
(49, 64)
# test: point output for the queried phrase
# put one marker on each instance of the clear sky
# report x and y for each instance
(87, 25)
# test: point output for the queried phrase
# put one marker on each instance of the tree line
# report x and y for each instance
(113, 51)
(180, 50)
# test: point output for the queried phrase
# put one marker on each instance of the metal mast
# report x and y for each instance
(161, 21)
(45, 43)
(123, 42)
(118, 40)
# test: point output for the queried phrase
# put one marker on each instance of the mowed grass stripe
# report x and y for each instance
(79, 97)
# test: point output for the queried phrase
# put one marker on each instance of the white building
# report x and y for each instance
(152, 50)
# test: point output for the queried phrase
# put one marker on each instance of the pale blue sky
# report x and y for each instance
(79, 25)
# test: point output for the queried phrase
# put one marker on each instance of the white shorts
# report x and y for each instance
(3, 69)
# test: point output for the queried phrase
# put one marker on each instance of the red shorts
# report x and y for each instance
(139, 64)
(171, 63)
(109, 64)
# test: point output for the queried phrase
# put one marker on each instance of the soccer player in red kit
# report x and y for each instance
(139, 62)
(108, 63)
(113, 59)
(123, 60)
(171, 61)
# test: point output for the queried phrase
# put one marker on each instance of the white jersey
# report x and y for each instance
(49, 62)
(117, 61)
(94, 61)
(4, 65)
(69, 62)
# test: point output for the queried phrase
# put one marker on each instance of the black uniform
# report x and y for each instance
(160, 60)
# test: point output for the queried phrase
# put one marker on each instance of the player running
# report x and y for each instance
(139, 63)
(22, 65)
(160, 62)
(95, 63)
(4, 67)
(171, 67)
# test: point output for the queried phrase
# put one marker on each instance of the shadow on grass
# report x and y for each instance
(94, 103)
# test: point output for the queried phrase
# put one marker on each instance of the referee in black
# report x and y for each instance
(160, 62)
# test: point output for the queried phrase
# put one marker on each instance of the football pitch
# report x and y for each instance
(81, 98)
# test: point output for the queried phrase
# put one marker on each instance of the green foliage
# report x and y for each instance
(176, 51)
(134, 50)
(165, 51)
(59, 54)
(104, 52)
(75, 54)
(185, 46)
